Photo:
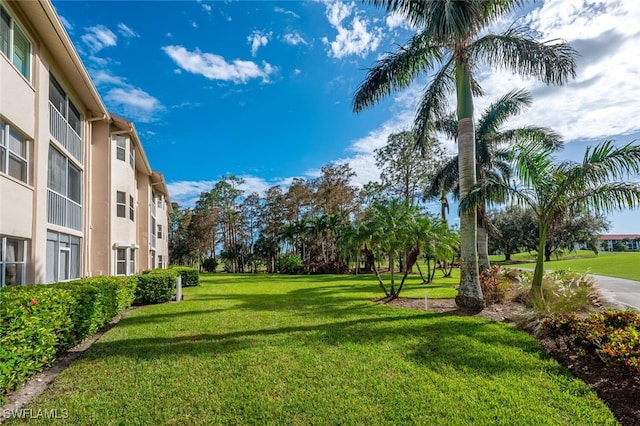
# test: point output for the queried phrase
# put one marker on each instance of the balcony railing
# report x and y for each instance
(64, 133)
(63, 211)
(153, 209)
(153, 240)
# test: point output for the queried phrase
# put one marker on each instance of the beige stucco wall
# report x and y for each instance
(144, 221)
(99, 201)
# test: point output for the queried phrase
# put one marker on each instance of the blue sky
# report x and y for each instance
(263, 89)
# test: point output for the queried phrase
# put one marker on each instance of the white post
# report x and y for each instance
(179, 288)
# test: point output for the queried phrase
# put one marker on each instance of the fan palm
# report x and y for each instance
(554, 190)
(492, 153)
(452, 41)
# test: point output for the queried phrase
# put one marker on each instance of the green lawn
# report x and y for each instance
(259, 349)
(620, 265)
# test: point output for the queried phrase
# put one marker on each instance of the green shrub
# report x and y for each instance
(38, 321)
(289, 264)
(157, 286)
(99, 299)
(34, 323)
(612, 336)
(190, 276)
(210, 264)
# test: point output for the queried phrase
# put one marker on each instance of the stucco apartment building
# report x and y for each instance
(78, 196)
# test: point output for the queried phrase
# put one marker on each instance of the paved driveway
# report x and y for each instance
(625, 293)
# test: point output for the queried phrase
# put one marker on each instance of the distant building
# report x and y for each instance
(77, 194)
(630, 241)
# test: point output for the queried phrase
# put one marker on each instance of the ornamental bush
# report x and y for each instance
(155, 286)
(190, 276)
(34, 324)
(38, 321)
(612, 336)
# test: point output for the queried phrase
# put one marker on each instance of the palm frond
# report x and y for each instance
(495, 115)
(609, 197)
(434, 105)
(532, 134)
(447, 125)
(396, 71)
(604, 163)
(445, 179)
(552, 62)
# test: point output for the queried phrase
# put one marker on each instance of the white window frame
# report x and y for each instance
(132, 208)
(121, 148)
(159, 231)
(124, 260)
(121, 206)
(11, 46)
(64, 243)
(6, 263)
(7, 133)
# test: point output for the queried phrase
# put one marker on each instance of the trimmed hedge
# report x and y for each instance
(155, 286)
(190, 276)
(38, 321)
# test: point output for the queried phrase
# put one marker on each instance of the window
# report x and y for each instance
(14, 44)
(131, 208)
(121, 261)
(12, 261)
(131, 158)
(121, 204)
(159, 232)
(63, 257)
(64, 183)
(125, 261)
(13, 153)
(153, 233)
(121, 148)
(132, 261)
(64, 177)
(160, 201)
(160, 262)
(65, 120)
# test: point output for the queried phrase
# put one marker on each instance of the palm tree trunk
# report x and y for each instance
(469, 296)
(483, 249)
(536, 284)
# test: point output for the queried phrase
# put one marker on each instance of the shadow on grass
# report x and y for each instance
(435, 340)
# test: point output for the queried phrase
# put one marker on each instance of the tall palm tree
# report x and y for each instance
(451, 41)
(554, 190)
(492, 153)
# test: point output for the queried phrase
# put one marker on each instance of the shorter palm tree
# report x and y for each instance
(554, 190)
(492, 153)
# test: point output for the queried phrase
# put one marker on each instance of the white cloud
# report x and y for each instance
(215, 67)
(257, 40)
(187, 193)
(297, 71)
(65, 22)
(127, 32)
(134, 103)
(352, 39)
(98, 37)
(603, 99)
(396, 20)
(286, 12)
(206, 7)
(293, 39)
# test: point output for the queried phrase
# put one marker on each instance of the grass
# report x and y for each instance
(611, 264)
(260, 349)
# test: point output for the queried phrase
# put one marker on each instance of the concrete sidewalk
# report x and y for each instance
(621, 292)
